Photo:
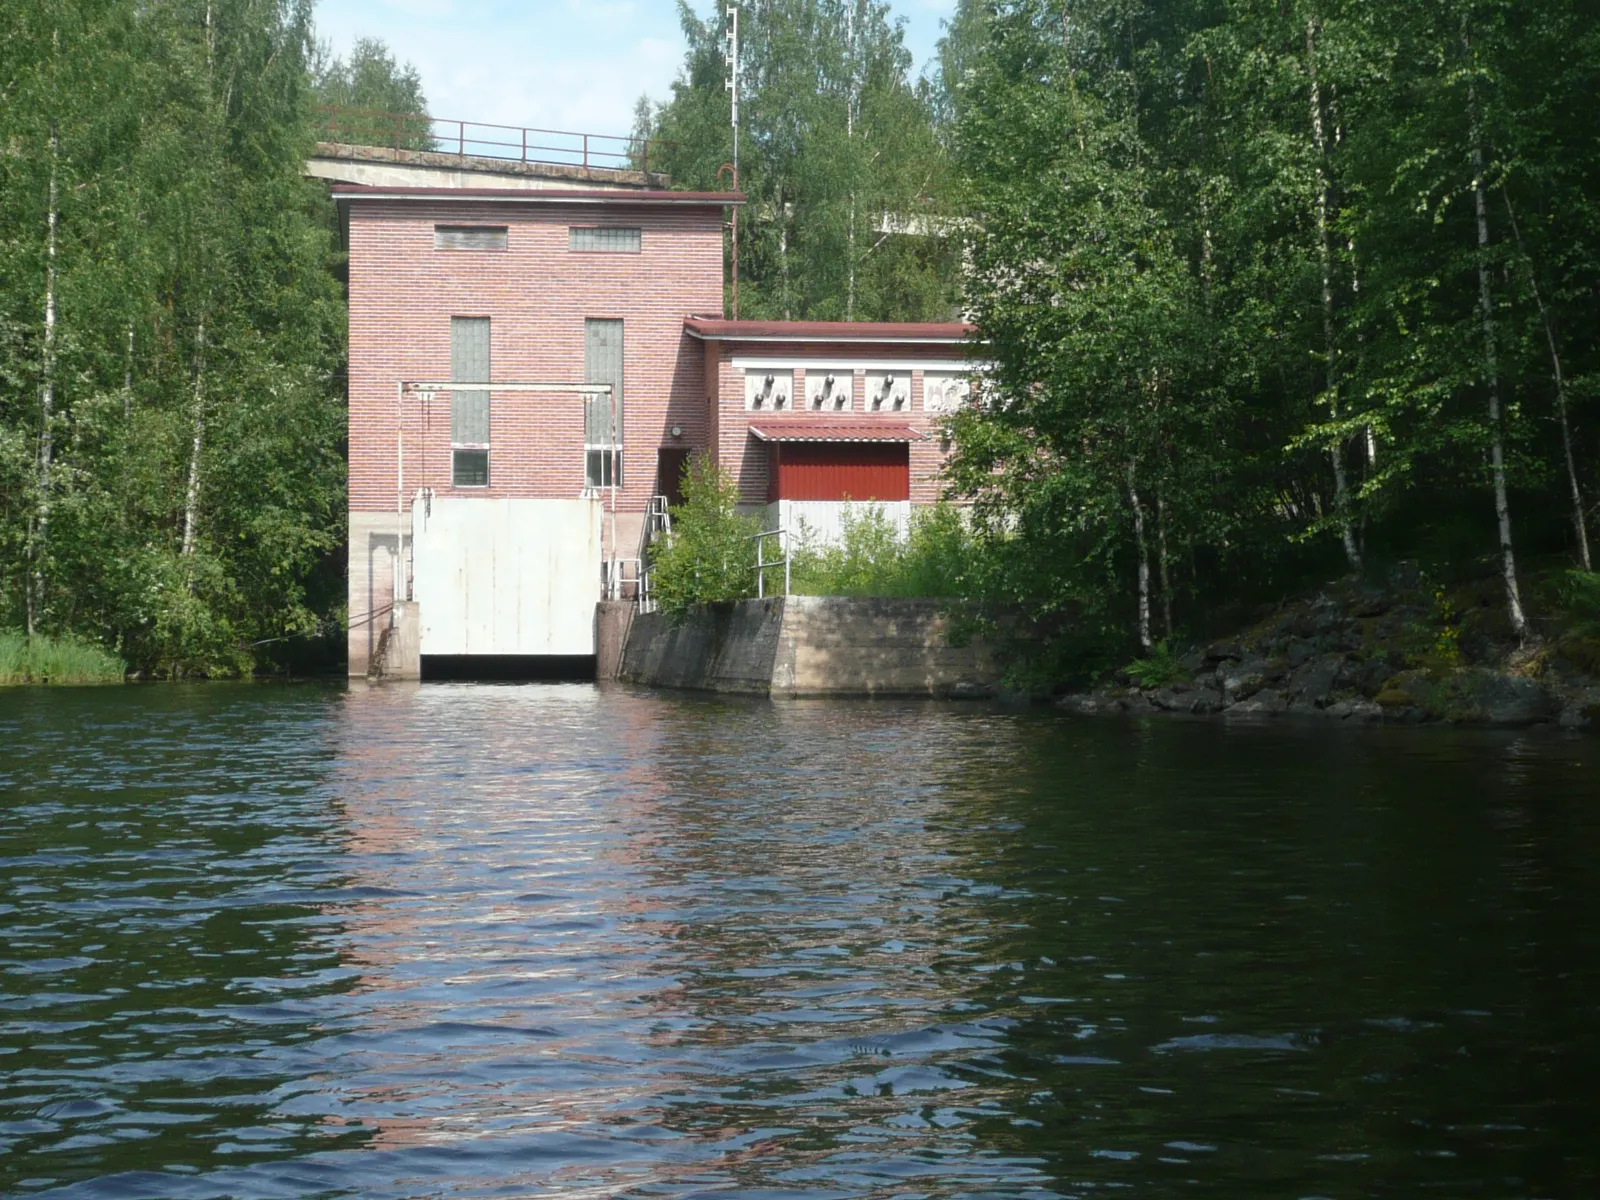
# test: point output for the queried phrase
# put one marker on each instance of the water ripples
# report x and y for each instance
(554, 940)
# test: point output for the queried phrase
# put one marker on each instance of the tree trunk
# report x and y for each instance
(1579, 526)
(1341, 493)
(127, 377)
(47, 397)
(1491, 363)
(1166, 574)
(850, 133)
(191, 500)
(1145, 643)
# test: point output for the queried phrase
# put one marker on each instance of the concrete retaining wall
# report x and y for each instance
(810, 646)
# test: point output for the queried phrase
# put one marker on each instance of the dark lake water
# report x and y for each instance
(551, 940)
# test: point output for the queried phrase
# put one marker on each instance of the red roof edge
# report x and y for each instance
(717, 329)
(615, 195)
(813, 429)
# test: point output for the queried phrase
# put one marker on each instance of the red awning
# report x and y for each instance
(862, 429)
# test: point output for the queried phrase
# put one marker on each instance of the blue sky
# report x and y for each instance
(552, 64)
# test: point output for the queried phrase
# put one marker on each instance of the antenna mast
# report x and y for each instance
(731, 57)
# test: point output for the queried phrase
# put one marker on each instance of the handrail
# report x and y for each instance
(761, 565)
(483, 139)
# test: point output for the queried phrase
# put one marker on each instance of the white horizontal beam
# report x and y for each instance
(483, 385)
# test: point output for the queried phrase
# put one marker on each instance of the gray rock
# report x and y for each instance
(1312, 685)
(1245, 679)
(1205, 702)
(1575, 716)
(1360, 712)
(1510, 701)
(1168, 700)
(1223, 652)
(1262, 704)
(1300, 653)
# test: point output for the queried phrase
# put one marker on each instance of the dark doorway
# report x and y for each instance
(565, 668)
(671, 463)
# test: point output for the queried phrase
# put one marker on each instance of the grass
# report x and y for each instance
(42, 659)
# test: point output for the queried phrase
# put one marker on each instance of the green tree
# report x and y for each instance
(710, 556)
(848, 207)
(1344, 241)
(178, 491)
(373, 98)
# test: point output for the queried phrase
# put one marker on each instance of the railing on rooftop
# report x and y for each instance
(477, 139)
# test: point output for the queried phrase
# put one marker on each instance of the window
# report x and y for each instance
(469, 237)
(469, 411)
(602, 416)
(605, 240)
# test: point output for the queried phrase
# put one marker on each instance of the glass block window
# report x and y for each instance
(470, 237)
(602, 415)
(469, 411)
(605, 239)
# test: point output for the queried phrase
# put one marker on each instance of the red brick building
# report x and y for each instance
(488, 513)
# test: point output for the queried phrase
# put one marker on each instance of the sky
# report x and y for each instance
(576, 65)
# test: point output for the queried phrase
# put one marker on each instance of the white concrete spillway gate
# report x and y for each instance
(508, 577)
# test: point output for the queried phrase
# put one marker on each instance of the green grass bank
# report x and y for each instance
(66, 660)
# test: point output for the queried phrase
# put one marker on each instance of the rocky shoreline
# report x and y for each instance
(1358, 653)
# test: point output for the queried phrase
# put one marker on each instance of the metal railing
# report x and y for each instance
(657, 527)
(616, 576)
(763, 565)
(479, 139)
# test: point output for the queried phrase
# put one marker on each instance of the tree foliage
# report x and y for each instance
(375, 99)
(710, 556)
(171, 474)
(1254, 297)
(848, 213)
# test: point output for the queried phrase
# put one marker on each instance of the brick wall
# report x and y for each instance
(746, 458)
(537, 294)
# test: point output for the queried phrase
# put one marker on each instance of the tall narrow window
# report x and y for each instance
(602, 423)
(469, 411)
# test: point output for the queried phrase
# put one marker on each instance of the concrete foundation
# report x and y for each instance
(810, 646)
(374, 569)
(399, 653)
(613, 619)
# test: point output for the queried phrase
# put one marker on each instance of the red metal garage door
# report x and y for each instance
(840, 471)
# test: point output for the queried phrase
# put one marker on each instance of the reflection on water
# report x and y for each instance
(504, 941)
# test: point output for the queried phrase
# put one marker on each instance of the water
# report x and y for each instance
(558, 941)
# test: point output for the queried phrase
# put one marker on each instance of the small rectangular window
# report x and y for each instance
(603, 468)
(470, 237)
(469, 411)
(469, 468)
(606, 240)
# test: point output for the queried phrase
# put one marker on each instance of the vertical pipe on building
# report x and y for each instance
(399, 494)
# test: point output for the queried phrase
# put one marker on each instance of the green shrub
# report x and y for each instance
(711, 553)
(871, 558)
(1580, 601)
(38, 659)
(1161, 669)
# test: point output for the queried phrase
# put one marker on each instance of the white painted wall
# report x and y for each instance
(824, 519)
(507, 576)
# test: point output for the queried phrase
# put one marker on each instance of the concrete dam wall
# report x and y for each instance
(809, 646)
